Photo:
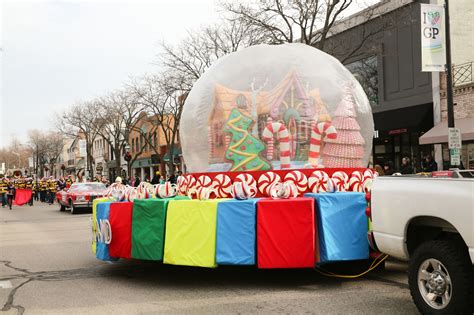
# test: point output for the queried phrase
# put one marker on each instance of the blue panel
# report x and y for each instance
(103, 212)
(342, 226)
(235, 243)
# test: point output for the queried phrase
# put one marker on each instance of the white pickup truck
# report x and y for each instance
(429, 221)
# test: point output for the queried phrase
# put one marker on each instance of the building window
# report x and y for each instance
(133, 145)
(366, 72)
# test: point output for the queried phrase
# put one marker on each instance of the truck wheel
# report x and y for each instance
(440, 278)
(61, 207)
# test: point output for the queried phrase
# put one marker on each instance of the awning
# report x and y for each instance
(415, 118)
(439, 133)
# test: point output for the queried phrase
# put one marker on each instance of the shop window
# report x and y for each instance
(366, 72)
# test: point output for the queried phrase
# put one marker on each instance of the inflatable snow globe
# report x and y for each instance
(276, 107)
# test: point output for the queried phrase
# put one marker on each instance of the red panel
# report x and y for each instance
(286, 233)
(121, 223)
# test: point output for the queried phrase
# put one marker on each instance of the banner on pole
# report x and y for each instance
(82, 148)
(433, 50)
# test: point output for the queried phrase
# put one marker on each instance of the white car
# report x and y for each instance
(429, 221)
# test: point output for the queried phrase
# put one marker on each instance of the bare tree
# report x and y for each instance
(187, 61)
(38, 143)
(310, 22)
(117, 117)
(54, 148)
(80, 119)
(164, 97)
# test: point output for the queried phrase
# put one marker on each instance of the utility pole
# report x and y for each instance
(449, 75)
(454, 152)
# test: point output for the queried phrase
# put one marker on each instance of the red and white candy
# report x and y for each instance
(190, 182)
(368, 173)
(246, 178)
(203, 181)
(341, 180)
(223, 185)
(182, 184)
(317, 181)
(266, 180)
(356, 181)
(299, 179)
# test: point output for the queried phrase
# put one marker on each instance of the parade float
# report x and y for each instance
(276, 140)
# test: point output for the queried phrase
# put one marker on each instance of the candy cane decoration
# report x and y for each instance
(227, 142)
(270, 143)
(283, 136)
(211, 144)
(322, 128)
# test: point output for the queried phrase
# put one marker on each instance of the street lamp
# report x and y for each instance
(127, 157)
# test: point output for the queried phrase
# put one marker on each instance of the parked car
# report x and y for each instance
(79, 195)
(429, 221)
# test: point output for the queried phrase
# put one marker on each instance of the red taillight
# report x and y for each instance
(87, 197)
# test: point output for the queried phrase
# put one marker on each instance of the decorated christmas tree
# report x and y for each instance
(347, 150)
(244, 149)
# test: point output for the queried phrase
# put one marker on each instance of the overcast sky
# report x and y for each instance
(55, 53)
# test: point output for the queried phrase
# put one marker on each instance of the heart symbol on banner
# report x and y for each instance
(434, 17)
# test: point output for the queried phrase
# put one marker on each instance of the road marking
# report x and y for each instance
(5, 285)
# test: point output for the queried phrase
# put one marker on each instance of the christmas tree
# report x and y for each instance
(347, 150)
(244, 149)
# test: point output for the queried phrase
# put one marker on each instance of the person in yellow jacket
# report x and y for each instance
(43, 189)
(53, 188)
(3, 191)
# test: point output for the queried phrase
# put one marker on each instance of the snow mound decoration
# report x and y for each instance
(271, 107)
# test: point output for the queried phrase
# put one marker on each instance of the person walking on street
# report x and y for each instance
(29, 186)
(10, 194)
(3, 191)
(406, 167)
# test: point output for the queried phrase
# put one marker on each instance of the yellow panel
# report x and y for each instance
(190, 237)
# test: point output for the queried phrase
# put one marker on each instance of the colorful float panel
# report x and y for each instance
(94, 222)
(342, 226)
(102, 232)
(190, 237)
(121, 225)
(148, 227)
(286, 233)
(236, 224)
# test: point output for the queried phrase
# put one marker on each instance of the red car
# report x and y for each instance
(79, 195)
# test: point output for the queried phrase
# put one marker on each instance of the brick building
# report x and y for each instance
(149, 151)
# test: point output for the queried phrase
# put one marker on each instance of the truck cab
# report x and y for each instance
(428, 220)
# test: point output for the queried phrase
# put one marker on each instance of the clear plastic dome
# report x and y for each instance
(276, 107)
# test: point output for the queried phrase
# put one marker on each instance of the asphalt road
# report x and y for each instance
(46, 267)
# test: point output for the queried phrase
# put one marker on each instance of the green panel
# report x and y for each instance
(148, 227)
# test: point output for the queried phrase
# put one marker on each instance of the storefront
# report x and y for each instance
(397, 135)
(439, 135)
(145, 168)
(177, 160)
